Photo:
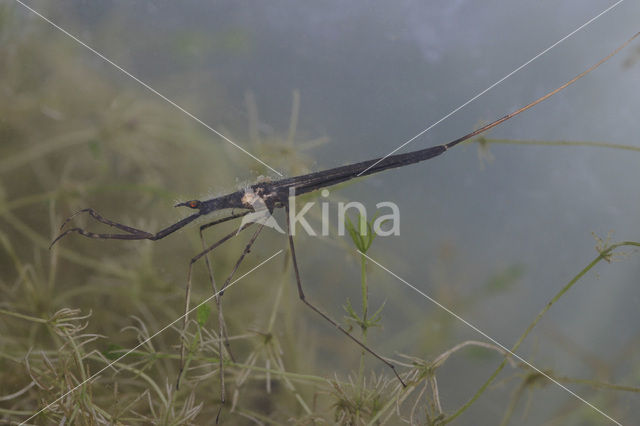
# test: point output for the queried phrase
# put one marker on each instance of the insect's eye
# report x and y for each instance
(193, 204)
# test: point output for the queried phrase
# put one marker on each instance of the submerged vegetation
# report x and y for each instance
(69, 312)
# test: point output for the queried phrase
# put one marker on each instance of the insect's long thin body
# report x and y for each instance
(326, 178)
(323, 179)
(276, 193)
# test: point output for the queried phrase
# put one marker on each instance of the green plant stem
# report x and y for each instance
(31, 199)
(22, 316)
(257, 416)
(158, 355)
(276, 304)
(15, 412)
(365, 303)
(78, 357)
(601, 385)
(47, 147)
(603, 255)
(365, 291)
(138, 373)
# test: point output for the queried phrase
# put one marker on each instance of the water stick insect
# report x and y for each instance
(276, 195)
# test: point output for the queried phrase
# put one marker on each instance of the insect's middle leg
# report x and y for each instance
(228, 280)
(223, 332)
(188, 289)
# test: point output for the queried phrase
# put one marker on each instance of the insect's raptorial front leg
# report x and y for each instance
(321, 313)
(131, 233)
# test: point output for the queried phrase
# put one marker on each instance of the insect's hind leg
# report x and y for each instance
(321, 313)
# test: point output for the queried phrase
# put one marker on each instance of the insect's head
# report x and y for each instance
(192, 204)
